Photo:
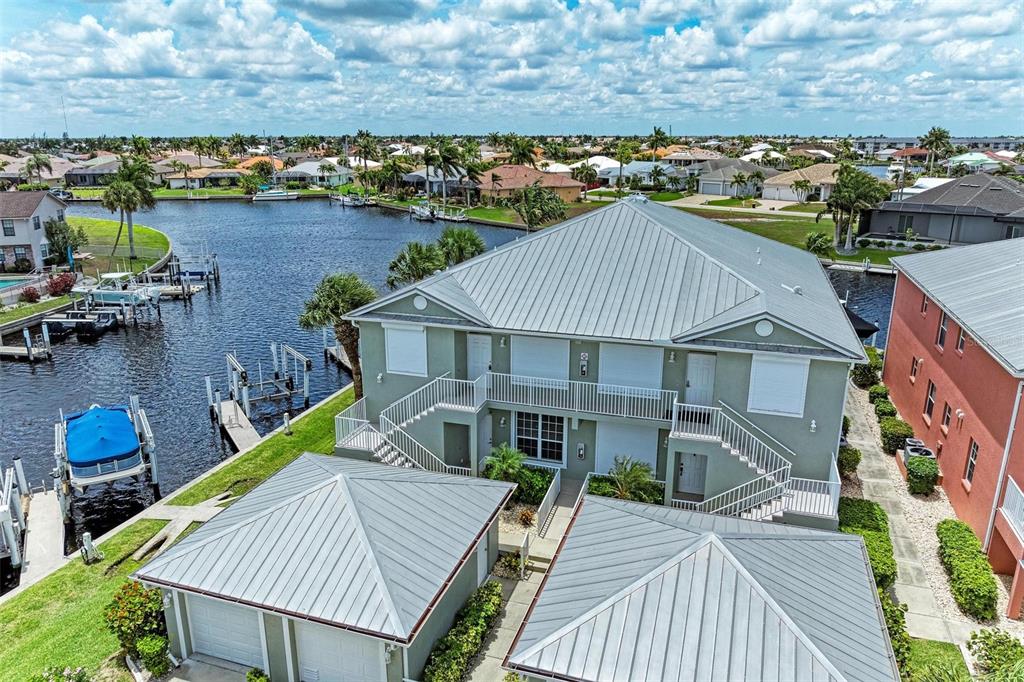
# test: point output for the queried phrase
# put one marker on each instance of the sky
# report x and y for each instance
(699, 67)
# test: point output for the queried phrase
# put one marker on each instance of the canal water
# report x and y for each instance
(271, 255)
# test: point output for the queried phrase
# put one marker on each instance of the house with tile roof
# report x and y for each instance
(504, 181)
(822, 176)
(717, 357)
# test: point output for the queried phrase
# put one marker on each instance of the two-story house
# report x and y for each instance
(22, 216)
(718, 357)
(955, 371)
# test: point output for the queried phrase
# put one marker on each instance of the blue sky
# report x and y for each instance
(827, 67)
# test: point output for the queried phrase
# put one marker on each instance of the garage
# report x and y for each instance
(225, 631)
(711, 188)
(327, 654)
(638, 441)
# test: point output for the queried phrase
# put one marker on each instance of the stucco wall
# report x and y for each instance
(942, 228)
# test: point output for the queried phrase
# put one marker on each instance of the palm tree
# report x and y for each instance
(36, 164)
(141, 146)
(657, 139)
(692, 184)
(521, 152)
(123, 197)
(854, 191)
(471, 149)
(327, 169)
(937, 142)
(657, 176)
(199, 146)
(623, 154)
(585, 173)
(368, 150)
(393, 170)
(536, 205)
(757, 179)
(236, 144)
(336, 296)
(802, 188)
(504, 463)
(430, 158)
(138, 172)
(414, 262)
(181, 167)
(458, 244)
(738, 180)
(448, 158)
(472, 171)
(495, 139)
(818, 243)
(630, 478)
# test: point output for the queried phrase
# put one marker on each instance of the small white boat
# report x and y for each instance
(455, 216)
(352, 200)
(423, 212)
(116, 288)
(275, 195)
(895, 171)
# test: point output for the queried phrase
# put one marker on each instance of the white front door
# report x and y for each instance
(482, 563)
(225, 630)
(328, 654)
(478, 355)
(700, 379)
(638, 441)
(693, 469)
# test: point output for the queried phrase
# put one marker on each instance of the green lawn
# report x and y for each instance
(607, 193)
(150, 245)
(17, 312)
(734, 202)
(59, 620)
(665, 196)
(313, 433)
(926, 653)
(812, 207)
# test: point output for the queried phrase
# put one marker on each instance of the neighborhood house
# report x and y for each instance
(23, 235)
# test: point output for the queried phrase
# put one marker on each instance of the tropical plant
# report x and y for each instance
(368, 151)
(36, 164)
(996, 651)
(250, 184)
(937, 142)
(137, 172)
(675, 182)
(180, 167)
(334, 297)
(657, 139)
(392, 170)
(854, 191)
(818, 243)
(237, 144)
(458, 244)
(802, 188)
(505, 463)
(738, 180)
(757, 179)
(692, 184)
(414, 262)
(536, 205)
(449, 155)
(153, 653)
(521, 153)
(140, 146)
(657, 176)
(630, 477)
(62, 236)
(123, 197)
(136, 611)
(263, 168)
(585, 173)
(623, 154)
(430, 159)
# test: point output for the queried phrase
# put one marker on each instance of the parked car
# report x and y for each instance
(61, 193)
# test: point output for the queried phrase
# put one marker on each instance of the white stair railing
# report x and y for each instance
(746, 496)
(349, 422)
(415, 451)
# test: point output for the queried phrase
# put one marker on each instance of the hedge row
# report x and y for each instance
(868, 520)
(452, 653)
(894, 432)
(970, 576)
(896, 624)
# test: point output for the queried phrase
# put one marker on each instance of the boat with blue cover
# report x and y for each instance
(103, 444)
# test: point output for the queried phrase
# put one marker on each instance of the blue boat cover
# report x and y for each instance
(100, 434)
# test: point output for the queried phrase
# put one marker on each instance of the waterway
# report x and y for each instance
(271, 257)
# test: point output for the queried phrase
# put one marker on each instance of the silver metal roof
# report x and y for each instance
(358, 545)
(982, 288)
(644, 272)
(650, 593)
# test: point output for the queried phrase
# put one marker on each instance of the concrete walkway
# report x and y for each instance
(544, 548)
(924, 618)
(518, 596)
(44, 539)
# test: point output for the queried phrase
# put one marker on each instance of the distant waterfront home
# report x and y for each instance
(822, 177)
(192, 160)
(310, 172)
(332, 570)
(955, 371)
(638, 592)
(969, 210)
(598, 161)
(690, 156)
(918, 154)
(101, 174)
(716, 177)
(640, 170)
(922, 184)
(633, 330)
(23, 216)
(253, 160)
(504, 181)
(14, 171)
(424, 180)
(975, 162)
(201, 178)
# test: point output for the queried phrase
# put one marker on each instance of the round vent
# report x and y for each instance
(764, 328)
(420, 303)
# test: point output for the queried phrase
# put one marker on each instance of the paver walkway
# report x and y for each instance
(518, 596)
(924, 618)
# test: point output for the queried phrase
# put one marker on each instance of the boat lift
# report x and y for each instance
(13, 491)
(290, 376)
(36, 349)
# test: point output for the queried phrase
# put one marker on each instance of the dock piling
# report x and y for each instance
(287, 424)
(19, 476)
(28, 343)
(220, 414)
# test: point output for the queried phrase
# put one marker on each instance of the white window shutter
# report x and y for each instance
(406, 349)
(778, 385)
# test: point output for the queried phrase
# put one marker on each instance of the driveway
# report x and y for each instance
(203, 669)
(767, 205)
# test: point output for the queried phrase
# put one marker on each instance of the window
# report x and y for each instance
(924, 304)
(20, 252)
(60, 214)
(405, 348)
(778, 385)
(906, 223)
(44, 250)
(940, 336)
(8, 228)
(540, 436)
(961, 341)
(972, 461)
(947, 415)
(36, 223)
(929, 401)
(913, 368)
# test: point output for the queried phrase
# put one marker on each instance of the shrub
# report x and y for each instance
(32, 186)
(153, 653)
(56, 673)
(896, 624)
(970, 576)
(936, 247)
(510, 677)
(878, 392)
(874, 357)
(995, 650)
(61, 284)
(919, 247)
(922, 475)
(29, 295)
(868, 520)
(256, 675)
(895, 432)
(863, 243)
(863, 375)
(884, 408)
(901, 245)
(846, 425)
(509, 565)
(134, 613)
(533, 485)
(22, 265)
(526, 517)
(848, 461)
(452, 653)
(881, 243)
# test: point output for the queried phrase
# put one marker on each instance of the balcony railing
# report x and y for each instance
(350, 422)
(581, 396)
(1013, 507)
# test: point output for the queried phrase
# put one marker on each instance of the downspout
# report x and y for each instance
(1003, 465)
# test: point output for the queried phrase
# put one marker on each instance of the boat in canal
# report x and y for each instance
(275, 195)
(423, 212)
(115, 288)
(104, 444)
(349, 200)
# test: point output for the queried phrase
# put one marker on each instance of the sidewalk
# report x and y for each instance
(518, 595)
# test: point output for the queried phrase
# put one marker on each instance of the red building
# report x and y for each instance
(954, 365)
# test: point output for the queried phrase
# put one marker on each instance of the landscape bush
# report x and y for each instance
(533, 485)
(61, 284)
(22, 265)
(153, 654)
(895, 433)
(878, 392)
(32, 186)
(651, 492)
(506, 463)
(896, 624)
(29, 295)
(922, 475)
(881, 243)
(868, 520)
(527, 516)
(863, 375)
(135, 612)
(848, 460)
(864, 243)
(56, 673)
(884, 408)
(846, 425)
(936, 247)
(995, 650)
(919, 247)
(970, 576)
(256, 675)
(451, 654)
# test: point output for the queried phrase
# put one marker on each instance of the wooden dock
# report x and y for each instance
(34, 354)
(236, 426)
(338, 355)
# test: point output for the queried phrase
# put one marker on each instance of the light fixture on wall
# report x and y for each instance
(502, 422)
(671, 356)
(501, 342)
(380, 378)
(814, 426)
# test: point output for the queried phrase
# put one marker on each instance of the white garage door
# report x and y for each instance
(633, 440)
(225, 630)
(534, 356)
(331, 655)
(623, 365)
